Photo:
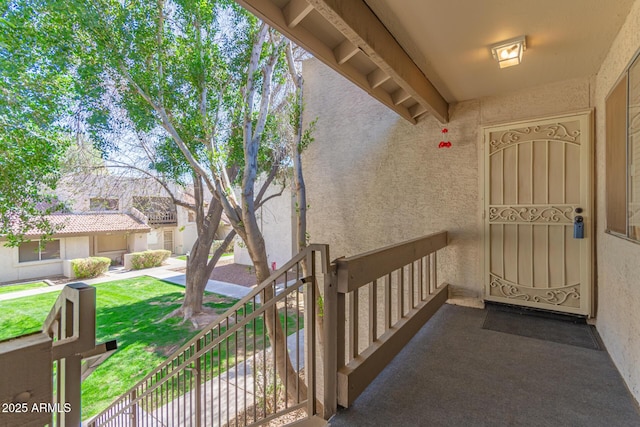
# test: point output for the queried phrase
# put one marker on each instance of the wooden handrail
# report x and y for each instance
(408, 270)
(358, 270)
(73, 314)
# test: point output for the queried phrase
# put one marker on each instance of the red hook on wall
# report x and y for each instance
(442, 143)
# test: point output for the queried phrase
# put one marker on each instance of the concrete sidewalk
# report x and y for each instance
(164, 273)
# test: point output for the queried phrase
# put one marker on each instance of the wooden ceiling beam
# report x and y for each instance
(345, 51)
(377, 77)
(355, 20)
(417, 110)
(275, 17)
(295, 11)
(399, 96)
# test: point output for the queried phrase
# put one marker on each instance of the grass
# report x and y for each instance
(21, 287)
(184, 257)
(128, 311)
(24, 315)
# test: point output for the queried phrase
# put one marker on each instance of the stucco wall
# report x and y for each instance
(137, 242)
(8, 272)
(77, 247)
(11, 269)
(186, 233)
(374, 179)
(275, 220)
(618, 319)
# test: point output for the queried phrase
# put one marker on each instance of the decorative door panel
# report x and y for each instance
(537, 181)
(168, 240)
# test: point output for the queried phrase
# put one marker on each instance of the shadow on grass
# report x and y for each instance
(144, 343)
(138, 322)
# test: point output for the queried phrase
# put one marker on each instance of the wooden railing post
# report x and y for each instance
(310, 337)
(71, 384)
(330, 339)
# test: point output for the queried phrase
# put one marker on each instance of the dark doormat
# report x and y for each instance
(570, 331)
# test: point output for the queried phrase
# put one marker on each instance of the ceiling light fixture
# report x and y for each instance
(509, 52)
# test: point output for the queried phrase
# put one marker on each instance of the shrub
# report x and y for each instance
(85, 268)
(148, 259)
(217, 243)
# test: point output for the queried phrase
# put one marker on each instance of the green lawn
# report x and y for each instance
(128, 311)
(184, 257)
(21, 287)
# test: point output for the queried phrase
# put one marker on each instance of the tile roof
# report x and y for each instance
(76, 224)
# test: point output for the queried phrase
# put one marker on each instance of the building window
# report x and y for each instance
(623, 155)
(112, 243)
(33, 251)
(191, 216)
(102, 204)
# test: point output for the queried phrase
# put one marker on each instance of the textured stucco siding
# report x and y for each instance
(8, 261)
(374, 179)
(276, 220)
(618, 316)
(11, 269)
(137, 242)
(77, 247)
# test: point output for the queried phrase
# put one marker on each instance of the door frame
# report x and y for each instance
(164, 241)
(586, 160)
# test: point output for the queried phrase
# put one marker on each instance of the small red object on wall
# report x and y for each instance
(444, 144)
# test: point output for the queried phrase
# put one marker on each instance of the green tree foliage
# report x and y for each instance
(35, 108)
(204, 83)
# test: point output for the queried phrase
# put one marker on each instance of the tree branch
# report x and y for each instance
(250, 88)
(268, 181)
(266, 88)
(159, 50)
(272, 196)
(174, 199)
(168, 126)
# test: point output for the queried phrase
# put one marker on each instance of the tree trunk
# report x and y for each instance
(199, 266)
(274, 326)
(197, 277)
(300, 187)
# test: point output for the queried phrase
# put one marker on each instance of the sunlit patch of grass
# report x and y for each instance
(130, 311)
(22, 287)
(127, 311)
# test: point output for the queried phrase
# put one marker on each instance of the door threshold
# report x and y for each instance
(537, 312)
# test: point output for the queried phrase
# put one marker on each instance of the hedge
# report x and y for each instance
(148, 259)
(85, 268)
(217, 243)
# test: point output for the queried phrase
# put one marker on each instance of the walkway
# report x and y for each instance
(456, 373)
(165, 273)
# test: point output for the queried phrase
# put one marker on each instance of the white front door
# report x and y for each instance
(538, 179)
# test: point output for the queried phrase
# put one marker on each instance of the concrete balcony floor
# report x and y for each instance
(455, 373)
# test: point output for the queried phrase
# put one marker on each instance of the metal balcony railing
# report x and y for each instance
(231, 373)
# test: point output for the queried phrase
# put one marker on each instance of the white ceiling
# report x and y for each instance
(449, 40)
